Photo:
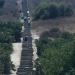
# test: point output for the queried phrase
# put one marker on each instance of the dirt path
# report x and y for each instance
(15, 56)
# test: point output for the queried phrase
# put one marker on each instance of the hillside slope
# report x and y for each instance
(65, 24)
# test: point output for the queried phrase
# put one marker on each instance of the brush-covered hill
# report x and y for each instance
(63, 23)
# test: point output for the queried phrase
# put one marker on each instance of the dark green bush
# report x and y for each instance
(65, 10)
(10, 32)
(67, 36)
(5, 61)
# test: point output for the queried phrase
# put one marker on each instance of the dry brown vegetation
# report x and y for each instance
(64, 24)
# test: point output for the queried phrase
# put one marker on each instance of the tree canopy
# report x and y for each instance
(10, 32)
(52, 11)
(56, 54)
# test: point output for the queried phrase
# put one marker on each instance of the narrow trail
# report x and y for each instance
(17, 48)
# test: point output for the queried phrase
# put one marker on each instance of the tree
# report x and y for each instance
(5, 62)
(65, 10)
(10, 32)
(57, 57)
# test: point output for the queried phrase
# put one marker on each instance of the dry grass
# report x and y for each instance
(64, 24)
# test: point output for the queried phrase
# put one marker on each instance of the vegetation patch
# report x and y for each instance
(10, 32)
(5, 62)
(52, 11)
(56, 53)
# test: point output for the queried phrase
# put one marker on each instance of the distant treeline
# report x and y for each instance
(52, 11)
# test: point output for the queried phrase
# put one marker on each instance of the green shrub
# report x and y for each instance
(10, 32)
(65, 10)
(54, 33)
(5, 61)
